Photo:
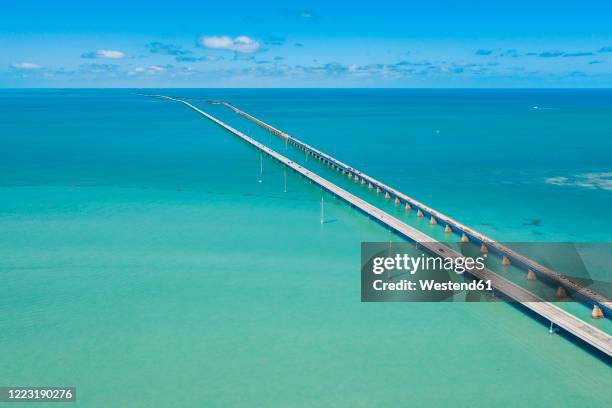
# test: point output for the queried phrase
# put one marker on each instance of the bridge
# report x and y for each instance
(563, 319)
(599, 302)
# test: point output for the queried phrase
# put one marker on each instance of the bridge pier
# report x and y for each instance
(597, 313)
(484, 249)
(408, 207)
(419, 213)
(464, 238)
(531, 275)
(506, 261)
(561, 293)
(432, 220)
(448, 229)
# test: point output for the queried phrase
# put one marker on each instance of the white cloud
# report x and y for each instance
(112, 54)
(242, 43)
(223, 42)
(308, 15)
(150, 70)
(26, 65)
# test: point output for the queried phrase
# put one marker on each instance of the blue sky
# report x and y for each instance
(306, 44)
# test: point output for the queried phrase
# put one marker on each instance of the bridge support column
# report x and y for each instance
(363, 182)
(419, 213)
(407, 207)
(448, 229)
(432, 220)
(371, 186)
(378, 190)
(561, 293)
(484, 249)
(397, 201)
(597, 313)
(531, 275)
(464, 238)
(506, 261)
(387, 195)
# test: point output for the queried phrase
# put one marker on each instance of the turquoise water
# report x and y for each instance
(142, 261)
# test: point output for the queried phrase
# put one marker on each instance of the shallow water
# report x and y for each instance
(142, 261)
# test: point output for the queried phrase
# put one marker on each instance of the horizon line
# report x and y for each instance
(322, 87)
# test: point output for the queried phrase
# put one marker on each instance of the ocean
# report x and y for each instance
(147, 260)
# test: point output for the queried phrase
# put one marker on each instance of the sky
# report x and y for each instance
(434, 43)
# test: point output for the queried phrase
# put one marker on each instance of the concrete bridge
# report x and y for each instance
(602, 306)
(567, 321)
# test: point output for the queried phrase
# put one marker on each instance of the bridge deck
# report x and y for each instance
(582, 330)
